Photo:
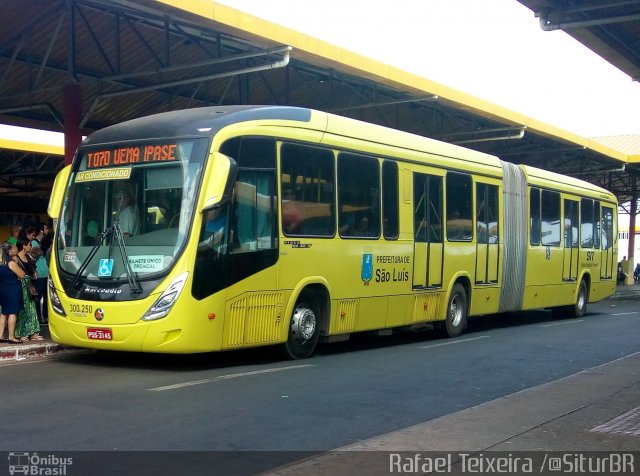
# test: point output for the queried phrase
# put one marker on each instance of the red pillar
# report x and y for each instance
(72, 116)
(633, 209)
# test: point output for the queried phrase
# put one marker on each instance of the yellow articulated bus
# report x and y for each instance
(230, 227)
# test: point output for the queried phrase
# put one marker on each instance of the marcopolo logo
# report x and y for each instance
(99, 314)
(94, 290)
(42, 465)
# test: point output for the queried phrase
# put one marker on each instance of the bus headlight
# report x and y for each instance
(54, 299)
(163, 304)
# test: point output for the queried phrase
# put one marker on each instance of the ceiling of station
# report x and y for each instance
(138, 57)
(609, 28)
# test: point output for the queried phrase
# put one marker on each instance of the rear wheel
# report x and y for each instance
(304, 327)
(580, 307)
(456, 320)
(574, 310)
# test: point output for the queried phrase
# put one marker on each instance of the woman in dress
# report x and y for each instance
(27, 325)
(10, 291)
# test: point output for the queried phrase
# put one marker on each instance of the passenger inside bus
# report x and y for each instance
(292, 213)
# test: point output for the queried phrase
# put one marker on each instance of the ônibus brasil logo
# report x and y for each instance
(23, 462)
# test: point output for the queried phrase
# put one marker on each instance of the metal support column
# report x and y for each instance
(633, 210)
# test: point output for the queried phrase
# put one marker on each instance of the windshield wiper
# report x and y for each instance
(114, 229)
(90, 256)
(134, 282)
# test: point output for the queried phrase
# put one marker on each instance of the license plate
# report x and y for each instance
(99, 333)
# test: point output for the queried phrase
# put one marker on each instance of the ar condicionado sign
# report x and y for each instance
(131, 155)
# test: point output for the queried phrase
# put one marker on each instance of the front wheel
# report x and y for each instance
(456, 320)
(304, 328)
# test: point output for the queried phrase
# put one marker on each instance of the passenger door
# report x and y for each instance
(487, 241)
(609, 250)
(428, 251)
(570, 233)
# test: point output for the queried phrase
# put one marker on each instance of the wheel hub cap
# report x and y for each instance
(455, 311)
(303, 324)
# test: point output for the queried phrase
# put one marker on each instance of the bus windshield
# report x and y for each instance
(129, 203)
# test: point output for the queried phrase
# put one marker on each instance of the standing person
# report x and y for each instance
(621, 274)
(10, 292)
(42, 270)
(15, 231)
(46, 241)
(40, 283)
(27, 325)
(27, 233)
(41, 231)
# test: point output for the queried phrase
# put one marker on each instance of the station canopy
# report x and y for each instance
(130, 58)
(609, 28)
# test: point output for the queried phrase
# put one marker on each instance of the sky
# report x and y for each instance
(492, 49)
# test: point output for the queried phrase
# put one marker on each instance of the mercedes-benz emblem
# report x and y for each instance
(99, 314)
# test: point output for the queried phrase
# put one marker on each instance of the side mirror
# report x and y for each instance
(218, 183)
(59, 187)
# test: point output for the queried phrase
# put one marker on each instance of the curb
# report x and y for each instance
(27, 350)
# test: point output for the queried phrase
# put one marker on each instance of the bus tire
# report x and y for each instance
(580, 306)
(456, 319)
(304, 327)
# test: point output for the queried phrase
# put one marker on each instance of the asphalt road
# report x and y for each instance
(253, 401)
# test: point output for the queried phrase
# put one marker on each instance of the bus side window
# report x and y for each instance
(586, 223)
(459, 212)
(358, 196)
(251, 152)
(550, 219)
(427, 212)
(534, 207)
(486, 213)
(596, 225)
(390, 200)
(308, 192)
(608, 230)
(253, 212)
(209, 268)
(570, 230)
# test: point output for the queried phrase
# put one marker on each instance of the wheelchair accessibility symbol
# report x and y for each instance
(105, 268)
(367, 268)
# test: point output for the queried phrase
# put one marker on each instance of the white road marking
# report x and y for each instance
(625, 313)
(227, 377)
(563, 323)
(457, 341)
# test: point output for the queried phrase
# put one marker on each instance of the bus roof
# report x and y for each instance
(208, 121)
(570, 184)
(204, 121)
(381, 135)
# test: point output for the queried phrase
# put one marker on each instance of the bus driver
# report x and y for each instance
(126, 213)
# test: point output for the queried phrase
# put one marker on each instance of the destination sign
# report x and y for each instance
(97, 159)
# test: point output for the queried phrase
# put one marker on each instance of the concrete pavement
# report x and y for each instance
(596, 410)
